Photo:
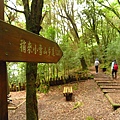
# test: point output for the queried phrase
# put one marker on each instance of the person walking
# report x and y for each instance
(96, 65)
(114, 68)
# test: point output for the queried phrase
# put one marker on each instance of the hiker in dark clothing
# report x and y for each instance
(114, 68)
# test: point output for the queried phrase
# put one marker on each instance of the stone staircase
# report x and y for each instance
(110, 88)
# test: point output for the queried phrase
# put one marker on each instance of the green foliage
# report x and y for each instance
(50, 33)
(16, 72)
(113, 51)
(77, 105)
(105, 65)
(69, 53)
(41, 71)
(75, 87)
(91, 76)
(44, 88)
(89, 118)
(59, 87)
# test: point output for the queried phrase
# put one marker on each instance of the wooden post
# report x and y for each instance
(3, 78)
(2, 9)
(3, 91)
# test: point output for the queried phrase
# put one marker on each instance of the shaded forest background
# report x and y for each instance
(84, 30)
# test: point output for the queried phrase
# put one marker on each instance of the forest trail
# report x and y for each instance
(91, 99)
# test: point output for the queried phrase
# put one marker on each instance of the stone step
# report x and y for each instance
(104, 81)
(110, 87)
(109, 83)
(104, 78)
(111, 90)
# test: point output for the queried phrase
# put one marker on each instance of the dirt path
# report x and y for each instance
(91, 101)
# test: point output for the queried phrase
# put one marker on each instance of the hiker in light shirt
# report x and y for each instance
(112, 64)
(96, 65)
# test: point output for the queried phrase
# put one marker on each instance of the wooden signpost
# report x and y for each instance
(18, 45)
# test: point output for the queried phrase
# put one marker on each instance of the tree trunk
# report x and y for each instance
(31, 99)
(33, 16)
(83, 63)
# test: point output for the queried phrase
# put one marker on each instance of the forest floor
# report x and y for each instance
(89, 103)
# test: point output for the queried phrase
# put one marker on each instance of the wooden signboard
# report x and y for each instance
(20, 45)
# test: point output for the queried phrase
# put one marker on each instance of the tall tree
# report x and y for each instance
(33, 16)
(67, 12)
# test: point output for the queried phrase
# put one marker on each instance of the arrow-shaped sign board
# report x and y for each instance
(18, 45)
